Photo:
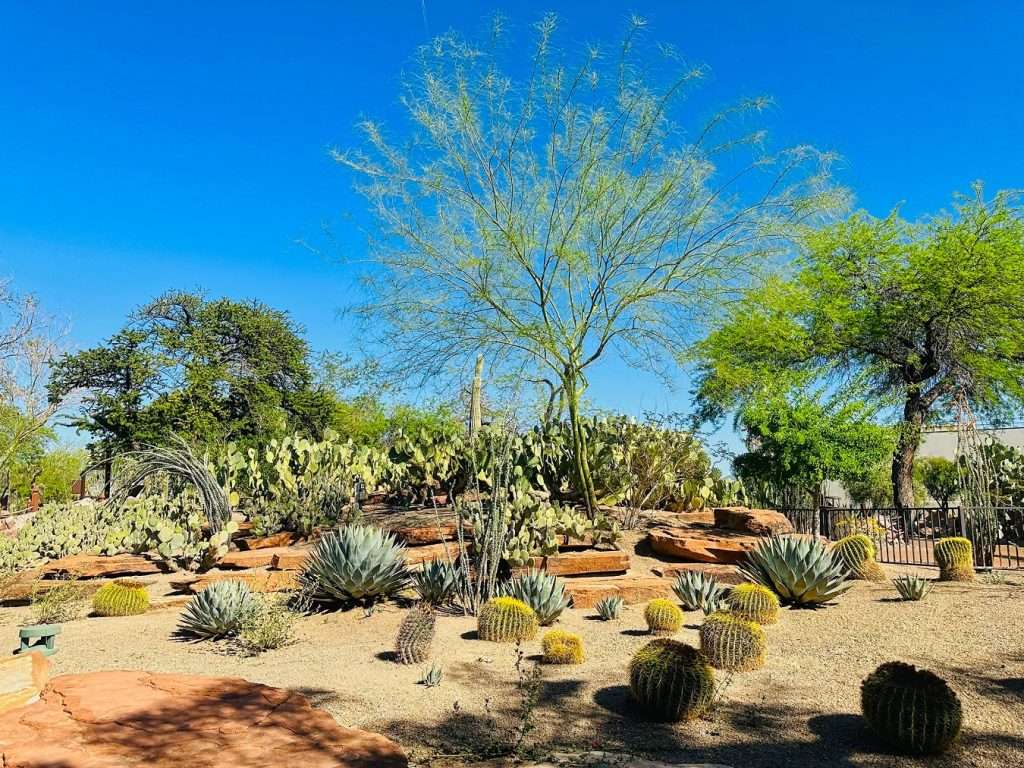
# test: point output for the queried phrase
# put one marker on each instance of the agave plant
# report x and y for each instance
(800, 569)
(358, 563)
(435, 582)
(608, 608)
(912, 587)
(217, 611)
(696, 589)
(541, 591)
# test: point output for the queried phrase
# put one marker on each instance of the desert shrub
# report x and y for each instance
(123, 597)
(561, 647)
(506, 620)
(663, 617)
(359, 563)
(415, 635)
(609, 608)
(801, 570)
(217, 611)
(541, 591)
(671, 681)
(57, 602)
(858, 554)
(266, 624)
(732, 643)
(913, 710)
(753, 602)
(955, 556)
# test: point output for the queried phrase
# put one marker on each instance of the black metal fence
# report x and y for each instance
(907, 536)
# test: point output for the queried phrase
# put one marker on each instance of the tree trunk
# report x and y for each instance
(581, 457)
(906, 449)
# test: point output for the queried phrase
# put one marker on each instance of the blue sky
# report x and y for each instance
(145, 146)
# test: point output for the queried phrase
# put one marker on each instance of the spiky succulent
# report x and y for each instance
(435, 582)
(663, 617)
(123, 597)
(857, 552)
(357, 563)
(912, 709)
(732, 643)
(217, 611)
(432, 676)
(753, 602)
(800, 569)
(912, 587)
(506, 620)
(696, 590)
(561, 647)
(608, 608)
(955, 556)
(415, 635)
(541, 591)
(671, 681)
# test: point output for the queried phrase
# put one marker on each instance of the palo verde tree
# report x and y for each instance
(548, 219)
(915, 311)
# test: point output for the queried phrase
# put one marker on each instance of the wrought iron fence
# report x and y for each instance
(907, 536)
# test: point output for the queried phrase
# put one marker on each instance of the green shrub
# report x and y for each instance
(663, 617)
(732, 643)
(671, 681)
(506, 620)
(415, 635)
(561, 647)
(57, 602)
(801, 570)
(359, 563)
(217, 611)
(955, 556)
(267, 624)
(912, 709)
(123, 597)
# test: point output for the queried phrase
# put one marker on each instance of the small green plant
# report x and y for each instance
(435, 583)
(358, 563)
(506, 620)
(992, 577)
(266, 625)
(732, 643)
(609, 608)
(696, 590)
(663, 617)
(799, 569)
(561, 647)
(912, 709)
(415, 635)
(912, 587)
(753, 602)
(123, 597)
(217, 611)
(858, 554)
(671, 681)
(541, 591)
(432, 676)
(63, 601)
(955, 556)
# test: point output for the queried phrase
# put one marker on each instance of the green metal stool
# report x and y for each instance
(39, 637)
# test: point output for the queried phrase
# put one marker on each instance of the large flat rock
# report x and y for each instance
(586, 592)
(258, 580)
(702, 545)
(577, 563)
(252, 558)
(760, 522)
(103, 566)
(273, 541)
(22, 679)
(418, 555)
(136, 719)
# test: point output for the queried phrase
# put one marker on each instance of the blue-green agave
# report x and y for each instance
(359, 563)
(541, 591)
(800, 569)
(217, 611)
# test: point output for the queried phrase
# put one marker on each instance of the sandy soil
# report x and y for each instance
(800, 710)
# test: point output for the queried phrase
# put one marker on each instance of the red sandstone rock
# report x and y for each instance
(701, 545)
(258, 580)
(290, 559)
(22, 678)
(282, 539)
(103, 566)
(253, 558)
(585, 593)
(136, 719)
(761, 522)
(440, 551)
(581, 562)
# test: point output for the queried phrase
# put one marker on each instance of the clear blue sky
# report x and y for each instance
(145, 146)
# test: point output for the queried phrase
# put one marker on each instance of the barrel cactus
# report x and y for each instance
(955, 556)
(506, 620)
(415, 635)
(541, 591)
(359, 563)
(608, 608)
(671, 681)
(663, 617)
(123, 597)
(435, 582)
(217, 611)
(561, 647)
(858, 554)
(912, 587)
(801, 570)
(697, 590)
(731, 643)
(912, 709)
(753, 602)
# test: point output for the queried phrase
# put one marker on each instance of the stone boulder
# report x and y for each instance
(22, 678)
(586, 592)
(701, 545)
(136, 719)
(760, 522)
(103, 566)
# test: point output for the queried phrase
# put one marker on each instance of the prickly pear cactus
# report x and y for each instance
(955, 556)
(415, 635)
(663, 617)
(671, 681)
(733, 644)
(506, 620)
(912, 709)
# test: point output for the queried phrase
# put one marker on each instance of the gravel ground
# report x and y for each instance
(799, 710)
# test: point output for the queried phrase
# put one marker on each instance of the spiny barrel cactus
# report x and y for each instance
(800, 569)
(732, 643)
(753, 602)
(435, 582)
(697, 590)
(541, 591)
(415, 635)
(561, 647)
(506, 620)
(358, 563)
(671, 680)
(912, 587)
(858, 554)
(955, 556)
(217, 611)
(123, 597)
(912, 709)
(663, 617)
(608, 608)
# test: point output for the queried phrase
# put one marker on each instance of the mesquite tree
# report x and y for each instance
(547, 219)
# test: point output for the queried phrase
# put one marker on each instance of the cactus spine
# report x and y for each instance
(561, 647)
(955, 556)
(123, 597)
(663, 617)
(733, 644)
(671, 680)
(415, 635)
(912, 709)
(753, 602)
(858, 554)
(506, 620)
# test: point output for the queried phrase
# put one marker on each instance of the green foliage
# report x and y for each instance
(753, 602)
(912, 587)
(695, 589)
(663, 617)
(609, 608)
(426, 459)
(940, 477)
(538, 527)
(732, 643)
(801, 570)
(506, 620)
(561, 647)
(357, 563)
(266, 624)
(955, 557)
(218, 611)
(122, 597)
(435, 582)
(544, 593)
(913, 710)
(432, 677)
(57, 602)
(415, 635)
(858, 555)
(671, 681)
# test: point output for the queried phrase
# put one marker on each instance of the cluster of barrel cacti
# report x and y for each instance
(913, 710)
(663, 617)
(955, 557)
(123, 597)
(858, 554)
(506, 620)
(671, 681)
(732, 643)
(753, 602)
(561, 647)
(415, 635)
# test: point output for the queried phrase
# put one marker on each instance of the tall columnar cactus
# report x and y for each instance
(858, 554)
(561, 647)
(732, 643)
(912, 709)
(753, 602)
(672, 681)
(800, 569)
(663, 617)
(541, 591)
(476, 399)
(124, 597)
(955, 556)
(506, 620)
(415, 635)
